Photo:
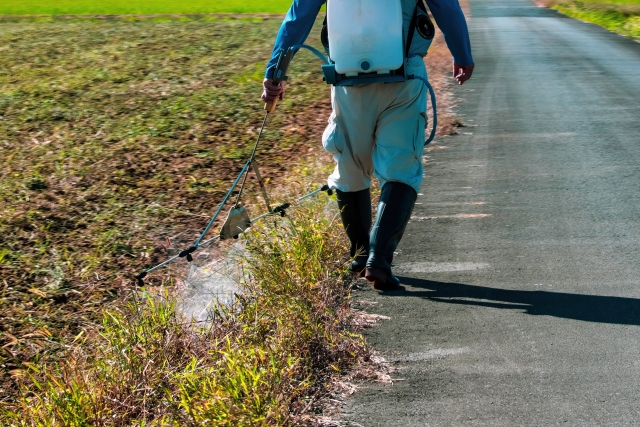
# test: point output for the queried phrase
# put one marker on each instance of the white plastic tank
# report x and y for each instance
(365, 36)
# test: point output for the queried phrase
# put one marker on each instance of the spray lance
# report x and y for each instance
(238, 220)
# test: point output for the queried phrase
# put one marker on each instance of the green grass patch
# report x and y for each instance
(620, 16)
(611, 1)
(139, 7)
(627, 24)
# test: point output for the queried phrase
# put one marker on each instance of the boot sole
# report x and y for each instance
(379, 279)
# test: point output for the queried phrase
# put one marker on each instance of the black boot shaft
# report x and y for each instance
(394, 211)
(355, 212)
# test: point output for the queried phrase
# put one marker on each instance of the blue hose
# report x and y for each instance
(311, 49)
(433, 105)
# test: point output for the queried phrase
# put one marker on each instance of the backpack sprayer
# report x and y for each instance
(349, 66)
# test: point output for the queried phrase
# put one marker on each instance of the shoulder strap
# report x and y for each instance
(412, 28)
(324, 34)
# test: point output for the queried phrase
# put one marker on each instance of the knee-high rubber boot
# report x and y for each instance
(355, 212)
(394, 211)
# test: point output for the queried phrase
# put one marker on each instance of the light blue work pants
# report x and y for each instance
(378, 129)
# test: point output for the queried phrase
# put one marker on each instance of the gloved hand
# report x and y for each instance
(462, 73)
(271, 91)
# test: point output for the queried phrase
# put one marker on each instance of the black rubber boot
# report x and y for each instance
(394, 211)
(355, 212)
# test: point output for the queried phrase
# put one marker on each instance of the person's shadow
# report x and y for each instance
(590, 308)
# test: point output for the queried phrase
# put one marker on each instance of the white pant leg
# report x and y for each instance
(399, 137)
(350, 136)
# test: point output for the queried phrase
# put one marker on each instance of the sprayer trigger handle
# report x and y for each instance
(270, 106)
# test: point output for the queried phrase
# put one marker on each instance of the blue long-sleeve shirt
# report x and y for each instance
(447, 13)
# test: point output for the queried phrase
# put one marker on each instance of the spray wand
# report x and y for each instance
(238, 220)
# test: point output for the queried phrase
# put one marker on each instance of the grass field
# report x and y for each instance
(118, 140)
(139, 7)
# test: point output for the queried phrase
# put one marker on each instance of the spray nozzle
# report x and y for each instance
(140, 278)
(282, 209)
(187, 253)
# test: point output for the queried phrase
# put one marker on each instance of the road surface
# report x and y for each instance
(521, 265)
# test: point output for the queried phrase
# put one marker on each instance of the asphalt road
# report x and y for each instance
(522, 263)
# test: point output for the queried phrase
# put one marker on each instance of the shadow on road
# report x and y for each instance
(590, 308)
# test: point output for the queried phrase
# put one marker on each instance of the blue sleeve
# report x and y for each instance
(453, 25)
(295, 28)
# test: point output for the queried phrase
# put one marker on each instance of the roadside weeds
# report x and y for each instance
(267, 360)
(623, 19)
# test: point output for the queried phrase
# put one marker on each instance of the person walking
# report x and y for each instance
(378, 129)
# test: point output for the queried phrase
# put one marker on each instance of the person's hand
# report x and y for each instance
(271, 91)
(462, 73)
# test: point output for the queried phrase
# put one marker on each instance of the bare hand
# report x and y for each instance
(271, 91)
(462, 73)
